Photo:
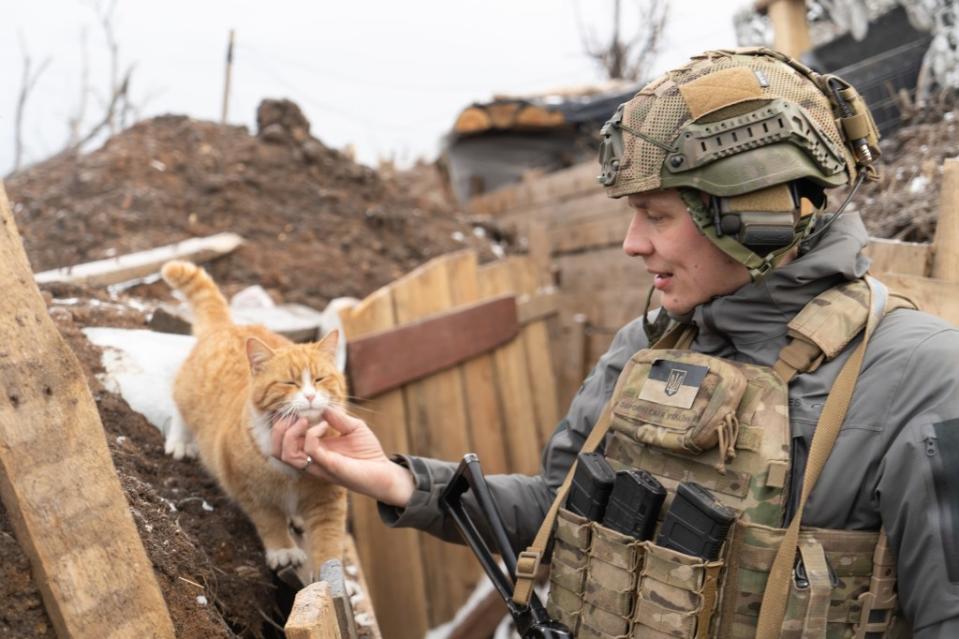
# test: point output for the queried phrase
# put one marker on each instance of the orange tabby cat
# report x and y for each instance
(234, 383)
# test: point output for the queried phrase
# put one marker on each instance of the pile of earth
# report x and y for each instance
(317, 226)
(903, 203)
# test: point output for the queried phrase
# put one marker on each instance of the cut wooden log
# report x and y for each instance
(57, 479)
(313, 615)
(133, 266)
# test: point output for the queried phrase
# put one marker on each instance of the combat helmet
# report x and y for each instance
(754, 129)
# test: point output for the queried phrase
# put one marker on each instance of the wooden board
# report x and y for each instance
(894, 256)
(478, 376)
(393, 564)
(513, 382)
(946, 240)
(535, 338)
(136, 265)
(392, 358)
(58, 482)
(436, 410)
(567, 183)
(933, 296)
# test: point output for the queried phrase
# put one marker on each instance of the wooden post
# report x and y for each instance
(945, 265)
(226, 81)
(57, 479)
(790, 28)
(313, 615)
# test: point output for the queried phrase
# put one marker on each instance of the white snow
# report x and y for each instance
(141, 365)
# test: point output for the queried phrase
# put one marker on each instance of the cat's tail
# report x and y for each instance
(210, 310)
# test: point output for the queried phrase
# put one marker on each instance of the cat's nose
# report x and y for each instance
(309, 396)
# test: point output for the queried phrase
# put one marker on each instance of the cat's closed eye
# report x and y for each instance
(318, 380)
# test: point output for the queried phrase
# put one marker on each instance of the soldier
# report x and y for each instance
(765, 303)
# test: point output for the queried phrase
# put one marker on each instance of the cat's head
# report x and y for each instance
(300, 379)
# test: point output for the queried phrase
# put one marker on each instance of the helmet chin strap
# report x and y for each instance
(757, 265)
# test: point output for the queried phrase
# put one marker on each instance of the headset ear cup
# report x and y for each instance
(731, 224)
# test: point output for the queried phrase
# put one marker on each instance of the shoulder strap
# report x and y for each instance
(826, 325)
(528, 561)
(773, 608)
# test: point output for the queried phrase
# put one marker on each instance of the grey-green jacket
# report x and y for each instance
(895, 463)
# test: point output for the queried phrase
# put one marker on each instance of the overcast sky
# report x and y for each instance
(387, 76)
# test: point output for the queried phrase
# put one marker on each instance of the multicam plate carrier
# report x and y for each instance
(730, 433)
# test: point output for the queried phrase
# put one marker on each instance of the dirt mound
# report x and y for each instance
(317, 226)
(903, 204)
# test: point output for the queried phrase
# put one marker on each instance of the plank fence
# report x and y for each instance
(501, 404)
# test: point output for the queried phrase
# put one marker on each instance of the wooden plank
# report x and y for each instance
(575, 368)
(436, 408)
(894, 256)
(478, 376)
(482, 619)
(57, 479)
(540, 250)
(332, 573)
(939, 297)
(365, 615)
(392, 559)
(394, 357)
(313, 615)
(512, 378)
(574, 181)
(945, 264)
(535, 338)
(136, 265)
(790, 27)
(539, 305)
(597, 233)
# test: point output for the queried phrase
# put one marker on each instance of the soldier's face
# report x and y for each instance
(687, 268)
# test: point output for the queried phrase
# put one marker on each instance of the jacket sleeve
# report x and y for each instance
(918, 487)
(522, 500)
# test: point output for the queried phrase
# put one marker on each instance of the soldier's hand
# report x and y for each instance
(343, 450)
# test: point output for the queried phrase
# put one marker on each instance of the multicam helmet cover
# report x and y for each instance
(742, 125)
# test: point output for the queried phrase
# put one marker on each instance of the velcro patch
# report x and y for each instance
(720, 89)
(776, 198)
(673, 383)
(943, 453)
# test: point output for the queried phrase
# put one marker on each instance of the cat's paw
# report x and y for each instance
(180, 449)
(280, 557)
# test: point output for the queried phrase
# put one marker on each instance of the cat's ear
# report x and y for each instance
(258, 353)
(328, 344)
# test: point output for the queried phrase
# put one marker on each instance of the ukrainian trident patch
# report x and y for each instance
(673, 383)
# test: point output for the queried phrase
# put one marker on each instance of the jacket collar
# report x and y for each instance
(750, 323)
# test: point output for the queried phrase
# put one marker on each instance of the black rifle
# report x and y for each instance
(532, 621)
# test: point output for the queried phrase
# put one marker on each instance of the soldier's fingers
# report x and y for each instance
(279, 429)
(340, 421)
(293, 442)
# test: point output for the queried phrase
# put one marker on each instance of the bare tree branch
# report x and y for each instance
(76, 120)
(27, 83)
(118, 97)
(629, 61)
